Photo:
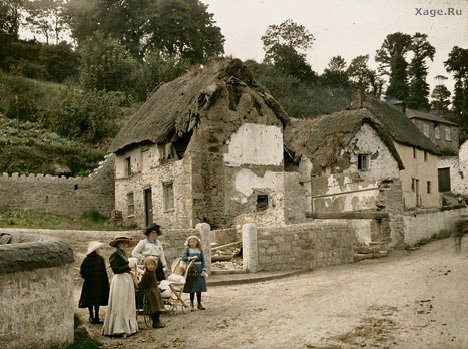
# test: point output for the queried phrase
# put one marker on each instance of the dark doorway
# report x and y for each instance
(148, 206)
(444, 180)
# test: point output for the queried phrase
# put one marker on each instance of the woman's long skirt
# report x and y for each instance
(121, 312)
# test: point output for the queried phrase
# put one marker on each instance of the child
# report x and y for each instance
(195, 282)
(149, 286)
(95, 291)
(121, 314)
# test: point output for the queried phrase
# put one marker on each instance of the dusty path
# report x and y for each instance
(416, 300)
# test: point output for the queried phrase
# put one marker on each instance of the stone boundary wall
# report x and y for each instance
(36, 288)
(172, 240)
(423, 224)
(305, 246)
(225, 236)
(60, 195)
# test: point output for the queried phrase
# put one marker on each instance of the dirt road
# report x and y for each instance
(408, 300)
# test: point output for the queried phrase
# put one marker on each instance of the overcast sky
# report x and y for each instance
(342, 27)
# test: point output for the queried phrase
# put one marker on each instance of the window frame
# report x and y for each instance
(363, 159)
(130, 205)
(168, 199)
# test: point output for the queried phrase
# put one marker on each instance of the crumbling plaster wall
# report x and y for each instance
(237, 152)
(425, 170)
(150, 171)
(345, 187)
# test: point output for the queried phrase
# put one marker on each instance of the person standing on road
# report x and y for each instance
(149, 286)
(121, 313)
(195, 283)
(95, 291)
(151, 246)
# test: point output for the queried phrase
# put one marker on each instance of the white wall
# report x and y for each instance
(255, 144)
(458, 181)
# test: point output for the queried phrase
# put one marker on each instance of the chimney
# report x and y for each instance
(357, 101)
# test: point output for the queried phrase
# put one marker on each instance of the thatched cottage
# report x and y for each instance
(360, 158)
(206, 147)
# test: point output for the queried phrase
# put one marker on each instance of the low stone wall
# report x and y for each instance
(60, 195)
(172, 240)
(225, 236)
(423, 224)
(305, 246)
(36, 288)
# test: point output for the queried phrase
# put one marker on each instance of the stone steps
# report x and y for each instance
(374, 250)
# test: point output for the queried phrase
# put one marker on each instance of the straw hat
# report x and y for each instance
(192, 237)
(153, 227)
(118, 239)
(93, 246)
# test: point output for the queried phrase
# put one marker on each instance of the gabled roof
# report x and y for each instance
(176, 107)
(398, 125)
(418, 114)
(320, 138)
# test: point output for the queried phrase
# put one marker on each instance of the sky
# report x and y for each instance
(343, 27)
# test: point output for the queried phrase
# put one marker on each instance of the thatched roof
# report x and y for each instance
(418, 114)
(398, 125)
(176, 107)
(321, 138)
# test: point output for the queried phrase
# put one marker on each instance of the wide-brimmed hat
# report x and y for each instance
(153, 227)
(192, 237)
(118, 239)
(93, 246)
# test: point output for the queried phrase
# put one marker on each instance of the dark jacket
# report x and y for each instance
(119, 262)
(95, 289)
(149, 287)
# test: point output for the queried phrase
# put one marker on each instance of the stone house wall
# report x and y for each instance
(427, 128)
(36, 287)
(60, 195)
(458, 179)
(305, 246)
(423, 224)
(420, 165)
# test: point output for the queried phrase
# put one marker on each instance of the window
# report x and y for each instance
(363, 162)
(413, 181)
(426, 130)
(414, 152)
(130, 205)
(448, 136)
(128, 167)
(428, 187)
(437, 132)
(143, 158)
(425, 155)
(262, 202)
(168, 196)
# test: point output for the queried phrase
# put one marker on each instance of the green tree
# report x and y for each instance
(285, 47)
(457, 64)
(392, 62)
(60, 61)
(440, 95)
(418, 87)
(90, 115)
(336, 73)
(105, 64)
(10, 19)
(46, 17)
(181, 28)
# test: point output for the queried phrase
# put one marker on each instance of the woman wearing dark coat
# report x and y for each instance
(95, 291)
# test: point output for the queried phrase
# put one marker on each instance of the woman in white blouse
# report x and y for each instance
(151, 246)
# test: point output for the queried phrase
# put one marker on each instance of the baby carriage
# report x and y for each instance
(171, 289)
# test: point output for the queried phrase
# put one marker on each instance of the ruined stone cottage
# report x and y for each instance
(206, 147)
(368, 157)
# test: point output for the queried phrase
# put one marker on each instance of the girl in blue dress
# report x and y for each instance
(195, 282)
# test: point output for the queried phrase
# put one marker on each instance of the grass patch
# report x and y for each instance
(91, 220)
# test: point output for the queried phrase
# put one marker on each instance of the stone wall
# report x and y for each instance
(296, 198)
(305, 246)
(60, 195)
(149, 172)
(458, 179)
(423, 224)
(36, 288)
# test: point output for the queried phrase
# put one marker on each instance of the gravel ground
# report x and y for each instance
(408, 300)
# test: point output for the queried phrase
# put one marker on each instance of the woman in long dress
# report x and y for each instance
(121, 312)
